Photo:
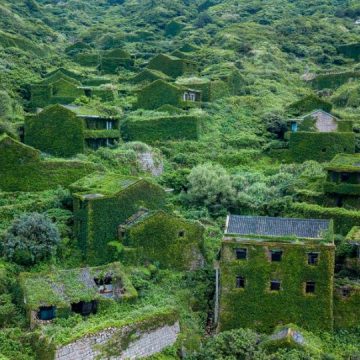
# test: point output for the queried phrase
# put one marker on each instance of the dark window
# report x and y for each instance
(241, 254)
(339, 201)
(181, 233)
(313, 258)
(240, 282)
(275, 285)
(345, 292)
(276, 255)
(122, 234)
(46, 313)
(310, 287)
(344, 177)
(85, 308)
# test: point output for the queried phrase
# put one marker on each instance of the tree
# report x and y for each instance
(30, 238)
(210, 185)
(275, 124)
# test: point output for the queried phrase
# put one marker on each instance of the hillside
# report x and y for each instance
(179, 112)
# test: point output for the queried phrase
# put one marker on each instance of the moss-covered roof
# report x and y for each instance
(194, 80)
(345, 162)
(62, 288)
(102, 184)
(9, 141)
(88, 112)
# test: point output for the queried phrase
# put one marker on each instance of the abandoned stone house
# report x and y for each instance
(57, 294)
(320, 136)
(160, 92)
(172, 65)
(276, 271)
(342, 184)
(63, 87)
(319, 121)
(162, 238)
(112, 60)
(102, 202)
(22, 168)
(65, 131)
(148, 76)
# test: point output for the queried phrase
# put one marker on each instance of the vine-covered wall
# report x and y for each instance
(158, 93)
(172, 66)
(350, 50)
(346, 308)
(96, 221)
(256, 306)
(168, 240)
(56, 131)
(163, 128)
(335, 80)
(318, 146)
(21, 168)
(309, 103)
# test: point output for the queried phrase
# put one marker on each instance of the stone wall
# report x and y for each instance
(146, 344)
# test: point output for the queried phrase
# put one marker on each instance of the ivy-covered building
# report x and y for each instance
(104, 201)
(62, 86)
(320, 136)
(23, 169)
(58, 88)
(149, 76)
(160, 92)
(162, 238)
(114, 59)
(150, 129)
(276, 271)
(172, 65)
(65, 132)
(51, 295)
(343, 180)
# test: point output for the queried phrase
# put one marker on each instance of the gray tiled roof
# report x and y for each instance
(275, 226)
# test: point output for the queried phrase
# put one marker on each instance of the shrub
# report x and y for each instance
(31, 238)
(210, 185)
(234, 344)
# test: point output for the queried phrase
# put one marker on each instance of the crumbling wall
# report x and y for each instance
(146, 343)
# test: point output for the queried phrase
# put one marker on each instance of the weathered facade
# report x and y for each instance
(343, 180)
(320, 136)
(276, 271)
(172, 65)
(61, 131)
(162, 238)
(56, 294)
(102, 202)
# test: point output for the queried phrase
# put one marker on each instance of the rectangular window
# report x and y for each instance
(241, 254)
(276, 255)
(345, 292)
(240, 282)
(275, 285)
(310, 287)
(313, 258)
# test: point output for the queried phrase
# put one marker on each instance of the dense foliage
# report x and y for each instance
(257, 65)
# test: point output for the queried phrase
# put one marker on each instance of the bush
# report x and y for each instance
(234, 344)
(31, 238)
(210, 185)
